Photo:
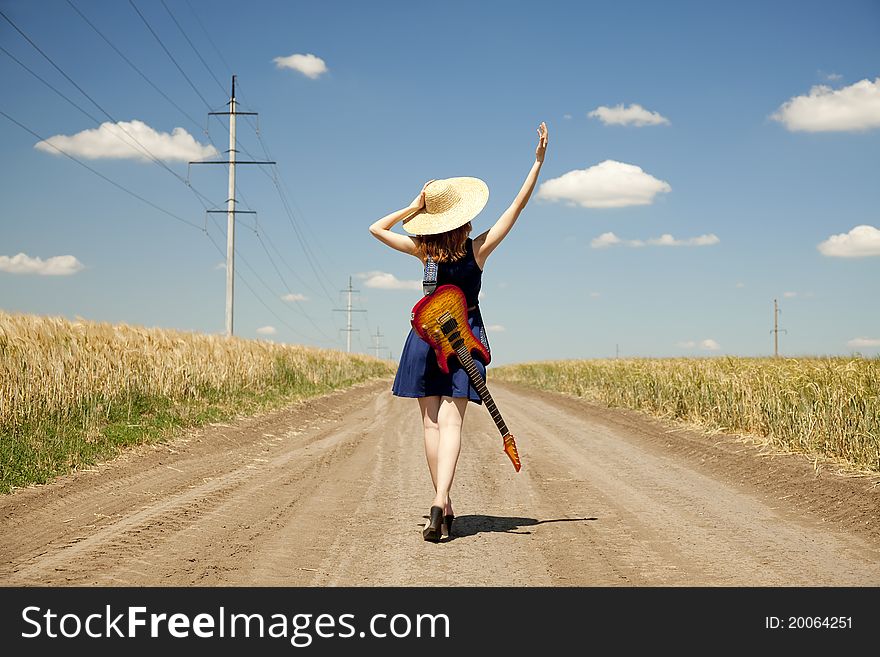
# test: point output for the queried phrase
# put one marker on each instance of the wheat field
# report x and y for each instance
(72, 392)
(820, 406)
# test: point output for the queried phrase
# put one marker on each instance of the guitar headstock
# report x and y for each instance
(510, 450)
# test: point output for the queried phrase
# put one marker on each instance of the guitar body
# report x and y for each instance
(426, 322)
(440, 319)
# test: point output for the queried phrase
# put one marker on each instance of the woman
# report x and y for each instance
(438, 220)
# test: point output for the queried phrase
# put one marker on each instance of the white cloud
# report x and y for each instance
(864, 342)
(668, 240)
(220, 265)
(294, 296)
(128, 140)
(64, 265)
(495, 328)
(789, 295)
(609, 184)
(833, 77)
(740, 285)
(267, 330)
(635, 115)
(610, 239)
(856, 107)
(706, 345)
(860, 242)
(595, 295)
(604, 241)
(566, 116)
(309, 65)
(386, 281)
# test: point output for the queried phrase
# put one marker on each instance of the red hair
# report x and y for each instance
(445, 247)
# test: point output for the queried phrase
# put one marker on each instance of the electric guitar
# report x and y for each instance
(440, 319)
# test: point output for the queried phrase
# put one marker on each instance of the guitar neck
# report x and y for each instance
(467, 361)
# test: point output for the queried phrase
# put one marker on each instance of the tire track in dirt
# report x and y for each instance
(334, 491)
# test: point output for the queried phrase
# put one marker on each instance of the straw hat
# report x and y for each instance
(449, 204)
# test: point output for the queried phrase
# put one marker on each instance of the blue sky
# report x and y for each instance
(414, 91)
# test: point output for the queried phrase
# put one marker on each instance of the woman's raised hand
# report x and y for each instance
(542, 142)
(419, 201)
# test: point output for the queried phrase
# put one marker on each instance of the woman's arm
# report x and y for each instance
(381, 229)
(486, 243)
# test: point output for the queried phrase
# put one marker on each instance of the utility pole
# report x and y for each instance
(776, 330)
(378, 336)
(230, 216)
(348, 309)
(230, 204)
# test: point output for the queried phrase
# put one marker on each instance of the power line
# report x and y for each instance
(258, 297)
(198, 194)
(164, 211)
(50, 86)
(101, 175)
(287, 287)
(292, 271)
(170, 56)
(265, 148)
(147, 79)
(143, 148)
(210, 40)
(281, 191)
(360, 340)
(167, 212)
(231, 212)
(268, 237)
(282, 195)
(313, 261)
(265, 285)
(195, 50)
(310, 258)
(136, 69)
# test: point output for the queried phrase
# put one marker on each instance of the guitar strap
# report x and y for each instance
(429, 282)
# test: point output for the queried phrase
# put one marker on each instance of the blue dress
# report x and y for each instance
(418, 374)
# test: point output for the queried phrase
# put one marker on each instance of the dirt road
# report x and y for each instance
(333, 491)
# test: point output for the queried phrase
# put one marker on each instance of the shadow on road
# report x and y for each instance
(475, 524)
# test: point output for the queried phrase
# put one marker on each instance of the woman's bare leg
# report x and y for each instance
(449, 419)
(429, 407)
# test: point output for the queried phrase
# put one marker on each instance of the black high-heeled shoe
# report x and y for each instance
(447, 521)
(432, 532)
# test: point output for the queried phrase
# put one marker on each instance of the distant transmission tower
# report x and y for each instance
(230, 203)
(776, 330)
(378, 336)
(348, 309)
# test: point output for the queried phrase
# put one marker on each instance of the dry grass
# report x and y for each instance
(74, 391)
(821, 406)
